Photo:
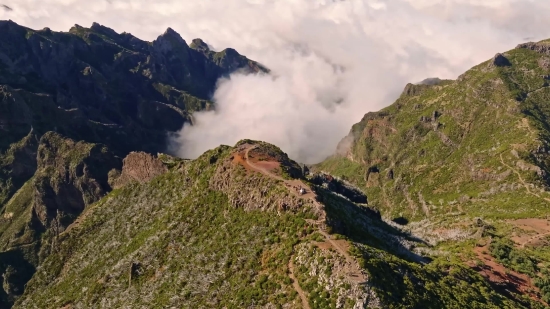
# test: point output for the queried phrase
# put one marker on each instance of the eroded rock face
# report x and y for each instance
(140, 167)
(71, 176)
(250, 189)
(500, 61)
(541, 47)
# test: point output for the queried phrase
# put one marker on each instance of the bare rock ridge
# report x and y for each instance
(140, 167)
(71, 176)
(540, 47)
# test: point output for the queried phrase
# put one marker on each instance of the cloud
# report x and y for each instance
(333, 60)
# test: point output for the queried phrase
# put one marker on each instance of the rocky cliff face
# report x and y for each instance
(113, 82)
(71, 176)
(139, 167)
(61, 178)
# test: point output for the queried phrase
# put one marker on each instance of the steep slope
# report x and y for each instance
(69, 176)
(448, 153)
(231, 230)
(99, 86)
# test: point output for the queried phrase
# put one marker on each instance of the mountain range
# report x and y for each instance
(440, 200)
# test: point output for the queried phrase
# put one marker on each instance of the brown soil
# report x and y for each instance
(342, 246)
(532, 232)
(504, 280)
(266, 167)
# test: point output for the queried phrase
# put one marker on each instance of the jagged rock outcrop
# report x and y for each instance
(499, 60)
(17, 165)
(140, 167)
(71, 176)
(256, 191)
(540, 47)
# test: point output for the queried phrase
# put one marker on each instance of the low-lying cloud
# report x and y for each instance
(332, 61)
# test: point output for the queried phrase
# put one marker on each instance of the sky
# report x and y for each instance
(332, 61)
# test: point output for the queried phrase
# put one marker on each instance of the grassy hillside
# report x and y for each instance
(223, 232)
(476, 149)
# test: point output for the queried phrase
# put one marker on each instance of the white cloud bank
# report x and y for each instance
(333, 60)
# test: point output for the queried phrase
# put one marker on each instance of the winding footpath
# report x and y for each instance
(296, 285)
(355, 271)
(535, 238)
(526, 185)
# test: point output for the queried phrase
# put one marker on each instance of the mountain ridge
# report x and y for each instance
(436, 201)
(465, 151)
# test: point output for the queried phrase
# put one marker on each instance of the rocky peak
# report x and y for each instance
(199, 45)
(542, 47)
(104, 30)
(140, 167)
(170, 39)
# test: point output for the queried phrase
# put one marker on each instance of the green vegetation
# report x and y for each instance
(193, 248)
(439, 284)
(505, 252)
(443, 156)
(458, 145)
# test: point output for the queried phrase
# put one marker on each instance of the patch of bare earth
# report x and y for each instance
(506, 281)
(531, 232)
(267, 166)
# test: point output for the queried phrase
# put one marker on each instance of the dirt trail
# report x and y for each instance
(537, 237)
(290, 184)
(296, 285)
(526, 185)
(354, 272)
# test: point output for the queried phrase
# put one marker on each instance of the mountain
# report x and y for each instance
(448, 154)
(437, 201)
(97, 85)
(231, 230)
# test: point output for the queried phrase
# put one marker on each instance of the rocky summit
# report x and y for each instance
(440, 200)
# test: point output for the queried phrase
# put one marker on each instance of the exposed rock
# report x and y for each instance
(413, 90)
(140, 167)
(255, 191)
(541, 47)
(71, 175)
(544, 63)
(500, 60)
(431, 81)
(199, 45)
(17, 165)
(339, 186)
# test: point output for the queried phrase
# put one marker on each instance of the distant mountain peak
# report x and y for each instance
(199, 45)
